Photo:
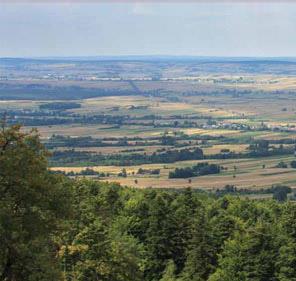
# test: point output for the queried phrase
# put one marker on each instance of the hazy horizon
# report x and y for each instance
(150, 29)
(148, 56)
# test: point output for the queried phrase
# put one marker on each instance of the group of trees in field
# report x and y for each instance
(284, 165)
(279, 192)
(59, 106)
(83, 172)
(259, 148)
(54, 228)
(199, 169)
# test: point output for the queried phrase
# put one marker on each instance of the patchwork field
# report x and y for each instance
(138, 122)
(244, 173)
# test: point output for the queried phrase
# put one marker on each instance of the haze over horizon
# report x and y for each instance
(150, 29)
(152, 58)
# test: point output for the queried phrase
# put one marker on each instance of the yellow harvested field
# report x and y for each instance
(247, 180)
(249, 173)
(217, 148)
(109, 169)
(210, 132)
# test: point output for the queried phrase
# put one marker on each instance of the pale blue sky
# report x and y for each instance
(148, 29)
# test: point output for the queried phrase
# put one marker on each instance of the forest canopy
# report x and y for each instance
(56, 228)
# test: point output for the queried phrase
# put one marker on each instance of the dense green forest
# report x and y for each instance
(56, 228)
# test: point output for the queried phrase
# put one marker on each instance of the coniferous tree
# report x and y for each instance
(169, 272)
(286, 262)
(250, 255)
(160, 236)
(200, 254)
(184, 208)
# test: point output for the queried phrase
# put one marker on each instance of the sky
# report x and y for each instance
(135, 28)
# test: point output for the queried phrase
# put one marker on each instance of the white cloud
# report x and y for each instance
(141, 9)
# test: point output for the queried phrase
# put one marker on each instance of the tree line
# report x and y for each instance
(71, 156)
